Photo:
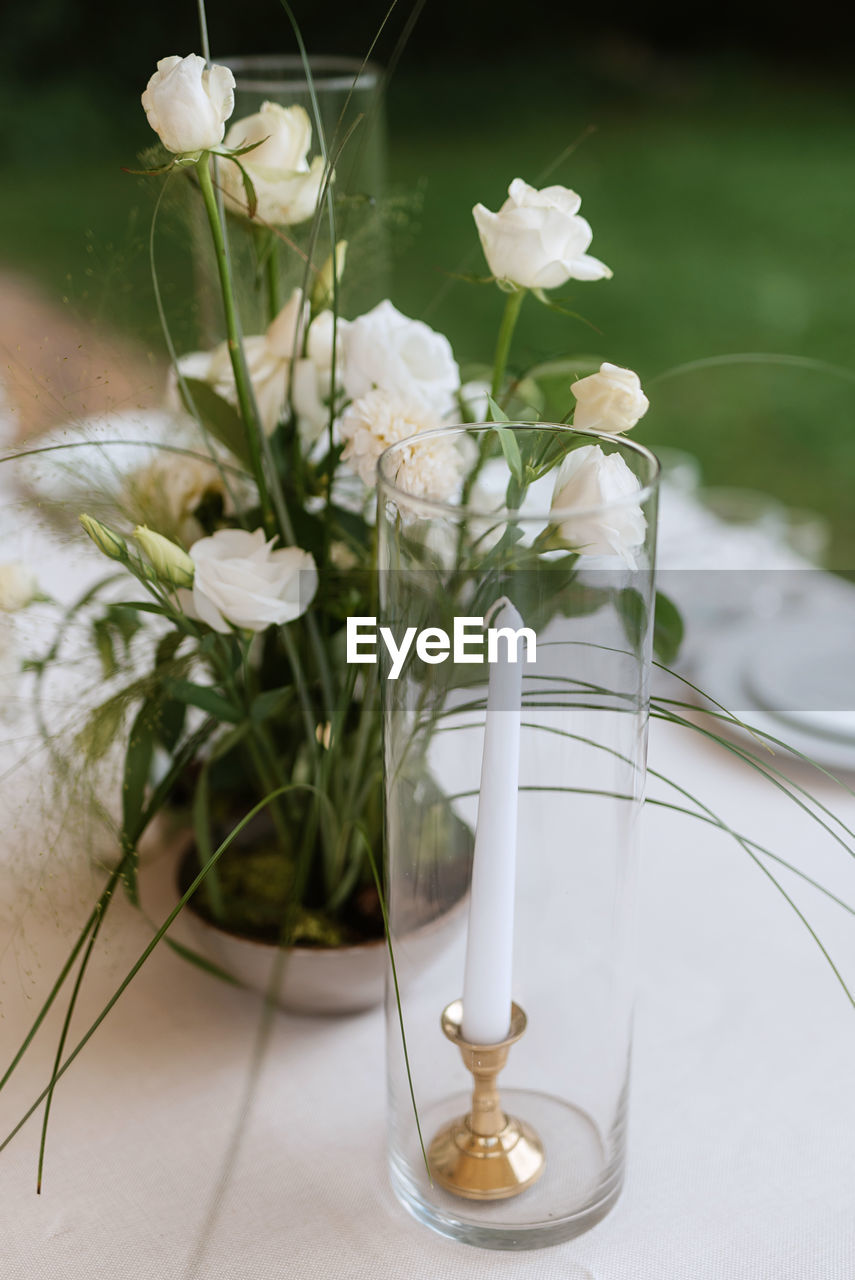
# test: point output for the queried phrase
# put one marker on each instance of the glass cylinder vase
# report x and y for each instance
(516, 590)
(346, 98)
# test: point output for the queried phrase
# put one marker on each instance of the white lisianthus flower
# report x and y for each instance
(601, 487)
(287, 187)
(404, 357)
(268, 358)
(18, 586)
(188, 104)
(240, 580)
(169, 491)
(611, 400)
(537, 240)
(431, 469)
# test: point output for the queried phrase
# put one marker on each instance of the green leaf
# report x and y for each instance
(497, 413)
(240, 151)
(220, 418)
(267, 704)
(201, 962)
(668, 629)
(138, 756)
(561, 310)
(203, 697)
(101, 729)
(170, 723)
(104, 645)
(511, 450)
(147, 606)
(202, 829)
(149, 173)
(633, 614)
(248, 188)
(167, 648)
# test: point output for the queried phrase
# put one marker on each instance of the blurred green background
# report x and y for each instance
(715, 166)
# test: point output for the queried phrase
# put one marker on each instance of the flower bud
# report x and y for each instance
(169, 561)
(611, 400)
(105, 539)
(323, 288)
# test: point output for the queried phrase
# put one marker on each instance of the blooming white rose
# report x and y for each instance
(537, 240)
(601, 487)
(268, 358)
(188, 104)
(403, 357)
(240, 580)
(18, 586)
(611, 400)
(431, 469)
(286, 186)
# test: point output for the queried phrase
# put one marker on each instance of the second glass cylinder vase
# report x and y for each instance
(516, 581)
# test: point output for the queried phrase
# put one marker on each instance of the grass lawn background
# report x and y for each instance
(722, 196)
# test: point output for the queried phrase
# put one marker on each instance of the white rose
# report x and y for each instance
(601, 486)
(537, 240)
(430, 469)
(18, 586)
(240, 580)
(286, 186)
(403, 357)
(187, 104)
(611, 400)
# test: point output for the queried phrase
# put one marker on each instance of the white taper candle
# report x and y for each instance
(490, 942)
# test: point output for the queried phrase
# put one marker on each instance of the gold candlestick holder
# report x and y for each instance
(485, 1155)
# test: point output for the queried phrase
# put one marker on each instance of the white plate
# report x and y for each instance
(769, 673)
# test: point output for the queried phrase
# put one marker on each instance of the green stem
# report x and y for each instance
(503, 343)
(243, 385)
(271, 270)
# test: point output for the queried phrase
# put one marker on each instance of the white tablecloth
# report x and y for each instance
(742, 1115)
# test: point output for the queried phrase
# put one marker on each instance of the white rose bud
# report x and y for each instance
(18, 586)
(286, 186)
(601, 487)
(241, 580)
(171, 564)
(537, 240)
(405, 358)
(610, 401)
(188, 104)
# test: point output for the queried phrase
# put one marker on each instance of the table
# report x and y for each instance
(742, 1113)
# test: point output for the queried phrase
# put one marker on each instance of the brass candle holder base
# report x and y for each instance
(485, 1155)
